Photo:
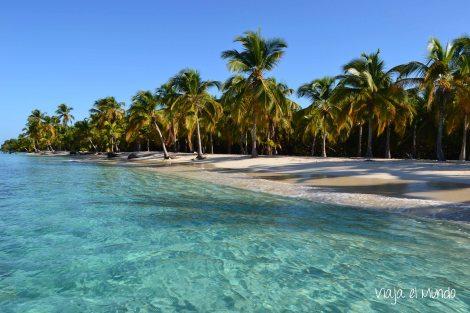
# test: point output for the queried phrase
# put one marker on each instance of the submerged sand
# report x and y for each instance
(425, 188)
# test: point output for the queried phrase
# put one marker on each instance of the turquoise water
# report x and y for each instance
(78, 237)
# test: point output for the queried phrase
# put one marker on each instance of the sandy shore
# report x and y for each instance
(424, 188)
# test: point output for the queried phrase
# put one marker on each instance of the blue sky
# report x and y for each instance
(75, 52)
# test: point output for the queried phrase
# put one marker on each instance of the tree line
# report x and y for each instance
(419, 110)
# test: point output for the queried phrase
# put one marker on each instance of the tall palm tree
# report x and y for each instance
(463, 101)
(193, 99)
(64, 113)
(258, 56)
(166, 96)
(459, 113)
(366, 86)
(322, 112)
(437, 76)
(462, 98)
(145, 112)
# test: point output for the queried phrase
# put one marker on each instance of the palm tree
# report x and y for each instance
(108, 116)
(210, 122)
(64, 113)
(166, 96)
(321, 114)
(462, 98)
(193, 99)
(258, 56)
(437, 76)
(34, 129)
(280, 114)
(228, 126)
(459, 113)
(399, 115)
(366, 87)
(84, 133)
(65, 117)
(145, 112)
(237, 104)
(49, 126)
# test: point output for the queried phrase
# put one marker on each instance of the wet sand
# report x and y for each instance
(431, 190)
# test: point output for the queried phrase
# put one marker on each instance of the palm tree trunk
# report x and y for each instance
(440, 131)
(463, 150)
(274, 138)
(388, 155)
(413, 151)
(148, 145)
(246, 142)
(175, 142)
(165, 153)
(212, 143)
(359, 143)
(312, 151)
(369, 140)
(199, 144)
(229, 145)
(93, 145)
(189, 142)
(254, 152)
(323, 144)
(269, 148)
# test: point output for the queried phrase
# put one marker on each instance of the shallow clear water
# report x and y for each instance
(78, 237)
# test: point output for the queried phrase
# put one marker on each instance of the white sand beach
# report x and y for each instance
(424, 188)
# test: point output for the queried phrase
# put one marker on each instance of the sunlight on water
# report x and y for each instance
(80, 237)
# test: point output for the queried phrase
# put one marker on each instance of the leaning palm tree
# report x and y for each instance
(437, 76)
(64, 113)
(145, 112)
(194, 100)
(365, 88)
(258, 56)
(84, 134)
(321, 113)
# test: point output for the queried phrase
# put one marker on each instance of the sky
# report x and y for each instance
(76, 52)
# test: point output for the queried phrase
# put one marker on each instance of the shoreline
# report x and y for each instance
(414, 187)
